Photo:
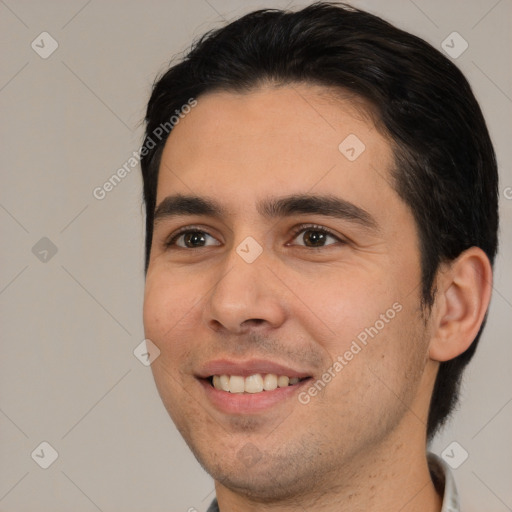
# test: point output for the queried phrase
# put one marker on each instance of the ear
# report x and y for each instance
(463, 294)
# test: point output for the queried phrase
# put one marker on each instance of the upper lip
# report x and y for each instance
(246, 368)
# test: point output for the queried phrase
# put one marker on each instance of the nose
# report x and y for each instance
(247, 296)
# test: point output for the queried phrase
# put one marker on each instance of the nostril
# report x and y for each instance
(252, 321)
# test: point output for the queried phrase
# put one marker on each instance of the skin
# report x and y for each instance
(360, 443)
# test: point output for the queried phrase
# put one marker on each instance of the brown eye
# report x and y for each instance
(191, 239)
(315, 237)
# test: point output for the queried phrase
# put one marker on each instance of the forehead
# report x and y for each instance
(295, 139)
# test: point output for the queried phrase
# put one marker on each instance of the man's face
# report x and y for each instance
(285, 291)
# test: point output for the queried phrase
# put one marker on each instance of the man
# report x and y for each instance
(321, 196)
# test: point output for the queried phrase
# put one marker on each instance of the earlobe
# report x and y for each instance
(463, 296)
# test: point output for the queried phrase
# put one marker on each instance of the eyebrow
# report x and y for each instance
(271, 208)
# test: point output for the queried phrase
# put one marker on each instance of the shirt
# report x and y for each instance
(441, 476)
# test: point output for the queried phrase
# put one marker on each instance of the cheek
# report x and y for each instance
(345, 302)
(169, 306)
(168, 309)
(374, 346)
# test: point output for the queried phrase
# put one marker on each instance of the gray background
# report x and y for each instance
(70, 324)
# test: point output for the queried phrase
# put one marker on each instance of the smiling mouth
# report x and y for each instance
(252, 384)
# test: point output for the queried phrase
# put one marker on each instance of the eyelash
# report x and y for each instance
(295, 232)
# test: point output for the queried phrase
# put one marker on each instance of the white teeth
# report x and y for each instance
(283, 381)
(270, 382)
(236, 384)
(224, 382)
(253, 383)
(216, 382)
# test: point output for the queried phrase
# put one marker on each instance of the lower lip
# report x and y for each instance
(247, 403)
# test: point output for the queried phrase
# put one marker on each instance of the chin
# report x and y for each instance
(263, 480)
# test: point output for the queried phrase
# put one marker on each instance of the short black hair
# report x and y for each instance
(445, 167)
